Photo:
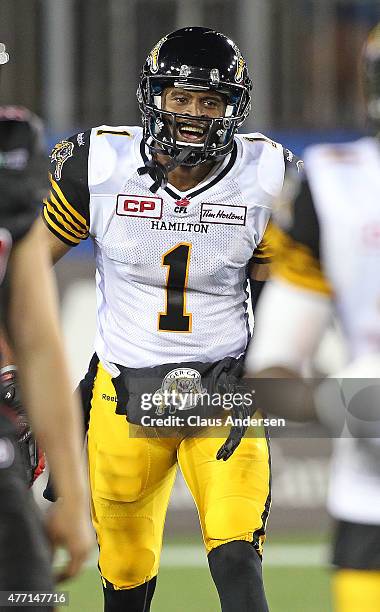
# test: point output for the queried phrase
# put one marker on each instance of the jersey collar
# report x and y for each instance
(210, 181)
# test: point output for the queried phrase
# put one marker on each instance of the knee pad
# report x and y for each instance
(137, 599)
(128, 555)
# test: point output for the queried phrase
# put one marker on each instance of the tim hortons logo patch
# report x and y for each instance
(223, 213)
(139, 206)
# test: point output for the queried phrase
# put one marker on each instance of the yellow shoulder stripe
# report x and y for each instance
(63, 216)
(59, 230)
(69, 207)
(53, 213)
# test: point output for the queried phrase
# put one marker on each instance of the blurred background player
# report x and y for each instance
(177, 211)
(29, 314)
(327, 243)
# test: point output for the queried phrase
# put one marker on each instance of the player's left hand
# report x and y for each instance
(232, 442)
(240, 413)
(236, 434)
(32, 457)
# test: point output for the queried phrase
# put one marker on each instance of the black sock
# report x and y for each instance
(129, 600)
(236, 570)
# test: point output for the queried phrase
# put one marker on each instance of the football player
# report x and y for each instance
(177, 211)
(328, 252)
(29, 313)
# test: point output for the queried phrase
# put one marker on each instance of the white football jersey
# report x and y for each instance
(171, 267)
(345, 183)
(326, 242)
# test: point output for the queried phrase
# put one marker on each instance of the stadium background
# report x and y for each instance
(76, 64)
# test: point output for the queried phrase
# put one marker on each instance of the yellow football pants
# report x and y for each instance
(356, 590)
(131, 480)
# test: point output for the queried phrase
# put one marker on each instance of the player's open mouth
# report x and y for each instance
(191, 132)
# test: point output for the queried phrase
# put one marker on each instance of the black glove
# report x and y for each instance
(234, 384)
(32, 458)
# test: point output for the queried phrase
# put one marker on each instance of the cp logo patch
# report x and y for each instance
(139, 206)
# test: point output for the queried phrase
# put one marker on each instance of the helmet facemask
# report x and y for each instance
(162, 127)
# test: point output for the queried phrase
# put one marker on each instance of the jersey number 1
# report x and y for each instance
(175, 318)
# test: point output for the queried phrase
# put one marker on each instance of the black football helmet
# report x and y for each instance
(193, 58)
(371, 76)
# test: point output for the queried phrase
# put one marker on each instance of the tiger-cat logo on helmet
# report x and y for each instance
(153, 55)
(240, 69)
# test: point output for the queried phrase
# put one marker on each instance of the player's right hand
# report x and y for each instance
(68, 526)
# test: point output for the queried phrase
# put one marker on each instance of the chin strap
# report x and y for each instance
(159, 172)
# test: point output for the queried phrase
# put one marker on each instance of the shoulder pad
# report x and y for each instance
(267, 157)
(111, 145)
